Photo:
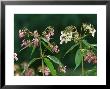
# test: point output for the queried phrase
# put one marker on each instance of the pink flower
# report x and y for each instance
(36, 35)
(46, 71)
(15, 56)
(21, 33)
(55, 49)
(35, 42)
(47, 37)
(25, 43)
(29, 72)
(48, 33)
(90, 57)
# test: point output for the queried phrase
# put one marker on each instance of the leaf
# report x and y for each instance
(86, 43)
(72, 47)
(45, 40)
(92, 72)
(78, 58)
(33, 50)
(94, 45)
(32, 61)
(25, 47)
(50, 66)
(54, 59)
(46, 46)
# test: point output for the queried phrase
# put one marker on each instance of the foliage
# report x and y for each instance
(45, 57)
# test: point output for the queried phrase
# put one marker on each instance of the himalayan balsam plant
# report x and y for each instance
(41, 42)
(86, 52)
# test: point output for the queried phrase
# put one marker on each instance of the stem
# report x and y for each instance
(42, 58)
(43, 66)
(82, 68)
(82, 61)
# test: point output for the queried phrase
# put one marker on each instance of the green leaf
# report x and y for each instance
(92, 72)
(50, 66)
(45, 40)
(46, 46)
(54, 59)
(72, 47)
(33, 50)
(86, 43)
(32, 61)
(78, 58)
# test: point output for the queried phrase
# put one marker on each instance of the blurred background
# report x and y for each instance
(59, 21)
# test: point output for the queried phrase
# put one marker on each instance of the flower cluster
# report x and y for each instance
(15, 56)
(47, 34)
(16, 70)
(90, 57)
(29, 72)
(54, 48)
(89, 28)
(71, 33)
(62, 69)
(49, 31)
(46, 70)
(22, 32)
(67, 34)
(27, 43)
(35, 40)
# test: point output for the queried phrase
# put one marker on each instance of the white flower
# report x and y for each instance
(65, 37)
(92, 31)
(90, 28)
(15, 56)
(62, 69)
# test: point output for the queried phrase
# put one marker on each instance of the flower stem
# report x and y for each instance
(82, 61)
(43, 67)
(82, 68)
(41, 58)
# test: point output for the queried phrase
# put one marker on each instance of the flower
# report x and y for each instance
(90, 28)
(15, 56)
(24, 65)
(49, 31)
(90, 57)
(21, 33)
(65, 37)
(36, 35)
(62, 69)
(47, 36)
(35, 42)
(67, 34)
(26, 43)
(29, 72)
(54, 48)
(92, 31)
(17, 74)
(16, 67)
(76, 37)
(46, 70)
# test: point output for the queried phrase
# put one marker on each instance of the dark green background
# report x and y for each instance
(59, 22)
